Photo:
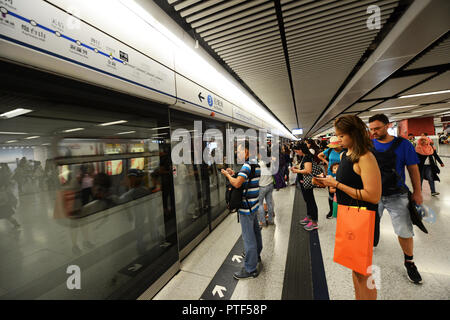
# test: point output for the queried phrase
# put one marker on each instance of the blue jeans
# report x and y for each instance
(266, 193)
(428, 175)
(251, 234)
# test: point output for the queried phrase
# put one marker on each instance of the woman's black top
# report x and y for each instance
(306, 158)
(434, 167)
(347, 176)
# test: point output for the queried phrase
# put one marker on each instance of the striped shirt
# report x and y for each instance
(253, 189)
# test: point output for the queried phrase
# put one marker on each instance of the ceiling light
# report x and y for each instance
(425, 94)
(431, 110)
(112, 123)
(159, 128)
(14, 113)
(72, 130)
(12, 141)
(382, 109)
(4, 132)
(127, 132)
(32, 137)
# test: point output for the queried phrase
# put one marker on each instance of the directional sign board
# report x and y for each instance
(40, 34)
(194, 98)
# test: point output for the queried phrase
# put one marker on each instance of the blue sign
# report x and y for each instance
(210, 100)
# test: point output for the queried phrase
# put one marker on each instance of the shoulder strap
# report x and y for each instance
(397, 141)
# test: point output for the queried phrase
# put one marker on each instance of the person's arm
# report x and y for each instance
(414, 174)
(235, 182)
(321, 156)
(438, 159)
(371, 179)
(306, 170)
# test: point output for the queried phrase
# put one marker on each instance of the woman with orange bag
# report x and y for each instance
(358, 181)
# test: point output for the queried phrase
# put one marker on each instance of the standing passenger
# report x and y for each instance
(358, 173)
(330, 156)
(305, 172)
(395, 197)
(251, 232)
(265, 192)
(427, 167)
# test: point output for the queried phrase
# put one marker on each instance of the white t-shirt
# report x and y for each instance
(266, 177)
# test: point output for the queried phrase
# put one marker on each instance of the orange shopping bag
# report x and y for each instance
(353, 247)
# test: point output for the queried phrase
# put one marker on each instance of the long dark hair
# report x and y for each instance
(304, 148)
(358, 132)
(316, 149)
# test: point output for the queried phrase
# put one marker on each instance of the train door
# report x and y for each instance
(216, 182)
(191, 196)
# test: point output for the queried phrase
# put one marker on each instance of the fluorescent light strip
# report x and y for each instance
(32, 137)
(127, 132)
(73, 130)
(425, 111)
(12, 141)
(4, 132)
(424, 94)
(112, 123)
(403, 107)
(14, 113)
(159, 128)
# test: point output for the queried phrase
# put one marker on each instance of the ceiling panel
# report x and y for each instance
(362, 106)
(441, 82)
(325, 39)
(394, 86)
(439, 55)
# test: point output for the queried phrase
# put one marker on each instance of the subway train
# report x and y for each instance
(88, 186)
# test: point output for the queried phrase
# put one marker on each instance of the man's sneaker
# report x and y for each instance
(330, 215)
(243, 274)
(311, 226)
(435, 193)
(305, 221)
(413, 274)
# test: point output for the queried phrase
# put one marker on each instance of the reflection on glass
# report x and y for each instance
(89, 198)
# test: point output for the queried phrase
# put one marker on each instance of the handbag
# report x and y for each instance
(353, 247)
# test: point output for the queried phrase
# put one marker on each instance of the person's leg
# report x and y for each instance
(311, 201)
(269, 201)
(401, 220)
(258, 236)
(250, 244)
(262, 214)
(429, 176)
(330, 203)
(362, 290)
(376, 235)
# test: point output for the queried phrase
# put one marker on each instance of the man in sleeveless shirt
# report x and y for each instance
(397, 204)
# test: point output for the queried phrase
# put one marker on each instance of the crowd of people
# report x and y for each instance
(362, 165)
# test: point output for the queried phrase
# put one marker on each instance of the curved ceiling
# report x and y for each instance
(299, 57)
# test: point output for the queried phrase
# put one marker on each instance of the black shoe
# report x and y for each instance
(413, 274)
(243, 274)
(330, 215)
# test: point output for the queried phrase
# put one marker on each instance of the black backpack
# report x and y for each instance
(233, 196)
(387, 163)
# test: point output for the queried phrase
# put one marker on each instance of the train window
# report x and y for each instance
(82, 190)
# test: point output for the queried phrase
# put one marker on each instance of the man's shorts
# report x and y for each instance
(397, 206)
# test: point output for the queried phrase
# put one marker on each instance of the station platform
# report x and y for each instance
(297, 264)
